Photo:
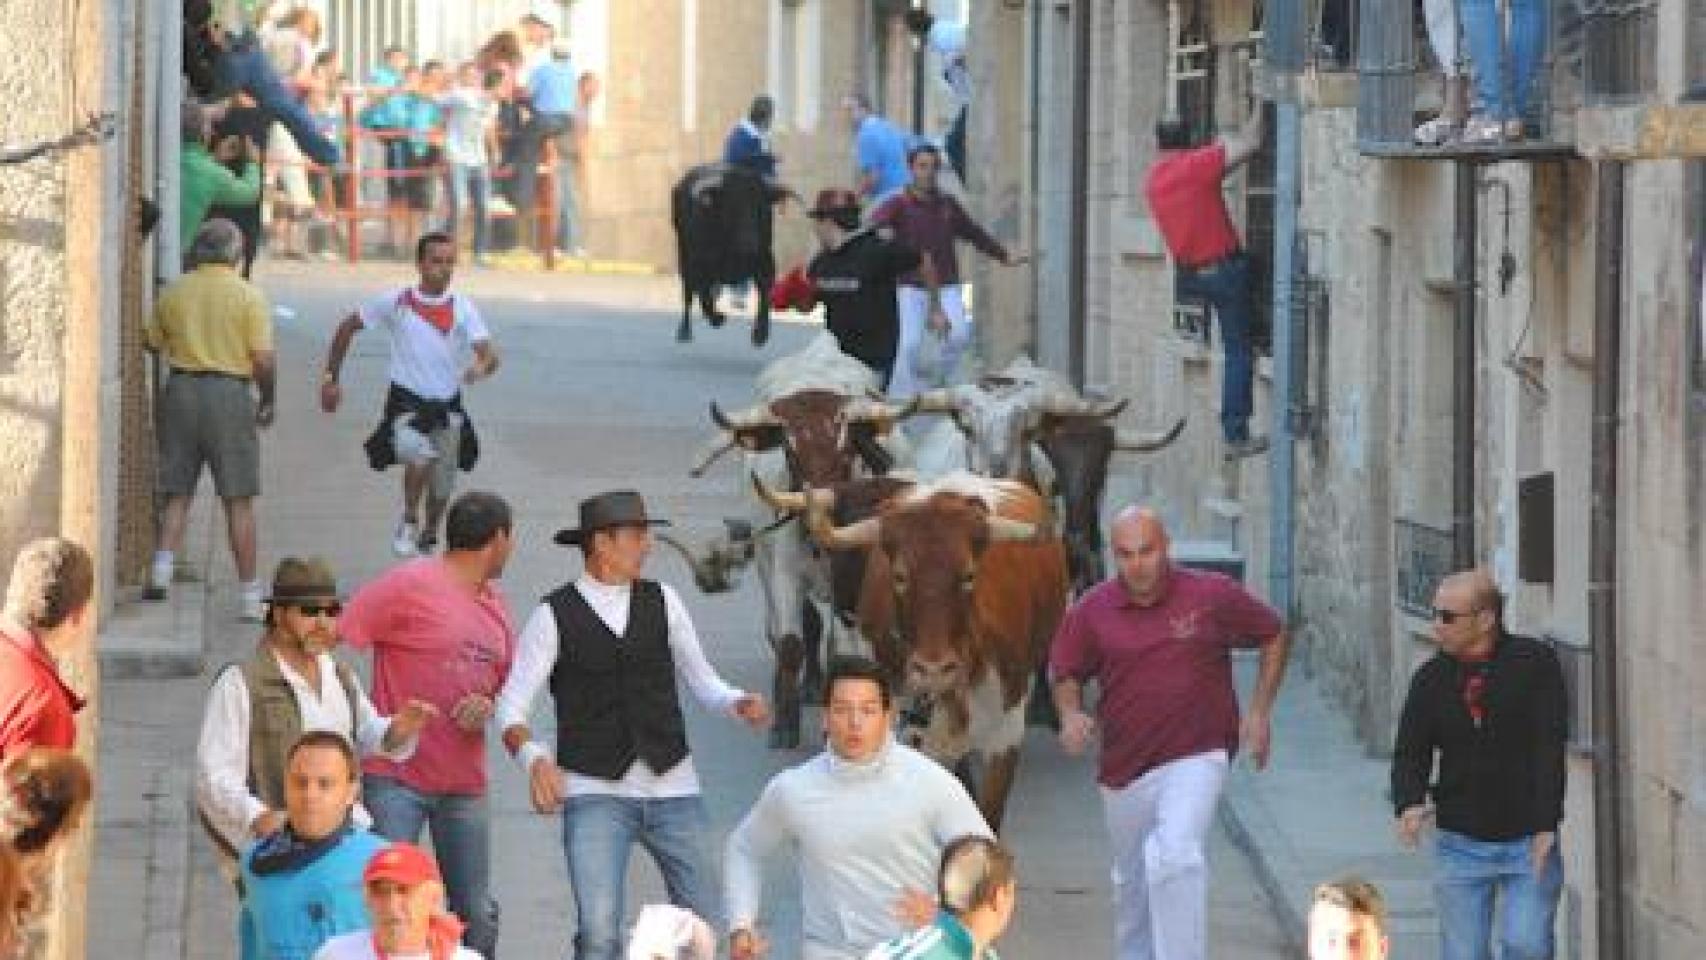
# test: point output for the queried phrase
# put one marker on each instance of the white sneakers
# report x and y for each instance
(407, 541)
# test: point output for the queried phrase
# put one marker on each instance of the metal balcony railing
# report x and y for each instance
(1500, 63)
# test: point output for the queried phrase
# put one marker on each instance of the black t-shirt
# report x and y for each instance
(856, 282)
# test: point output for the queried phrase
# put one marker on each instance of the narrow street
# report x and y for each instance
(594, 394)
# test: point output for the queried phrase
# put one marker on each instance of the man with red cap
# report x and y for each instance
(405, 902)
(854, 277)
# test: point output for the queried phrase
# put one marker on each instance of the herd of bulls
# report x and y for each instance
(950, 560)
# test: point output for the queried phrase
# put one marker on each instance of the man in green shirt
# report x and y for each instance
(978, 891)
(203, 180)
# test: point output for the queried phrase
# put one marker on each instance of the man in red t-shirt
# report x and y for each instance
(440, 631)
(1157, 640)
(1184, 195)
(47, 600)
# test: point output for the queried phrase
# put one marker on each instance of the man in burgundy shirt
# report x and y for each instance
(930, 298)
(47, 600)
(1183, 192)
(1157, 640)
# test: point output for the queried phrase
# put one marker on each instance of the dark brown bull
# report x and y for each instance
(963, 588)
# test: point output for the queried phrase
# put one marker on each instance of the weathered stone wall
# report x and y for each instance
(34, 74)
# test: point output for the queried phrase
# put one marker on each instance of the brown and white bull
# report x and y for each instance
(963, 587)
(813, 426)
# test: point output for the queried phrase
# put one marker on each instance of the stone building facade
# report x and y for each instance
(1376, 290)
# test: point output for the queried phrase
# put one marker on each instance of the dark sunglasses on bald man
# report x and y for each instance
(1448, 616)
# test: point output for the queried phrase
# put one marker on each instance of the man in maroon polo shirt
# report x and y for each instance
(47, 598)
(1157, 640)
(1184, 195)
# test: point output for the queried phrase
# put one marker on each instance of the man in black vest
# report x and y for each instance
(611, 646)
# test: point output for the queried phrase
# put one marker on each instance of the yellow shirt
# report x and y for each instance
(211, 321)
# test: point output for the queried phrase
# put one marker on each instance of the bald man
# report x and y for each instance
(1491, 708)
(1157, 639)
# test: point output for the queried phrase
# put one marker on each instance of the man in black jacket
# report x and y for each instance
(611, 646)
(1491, 706)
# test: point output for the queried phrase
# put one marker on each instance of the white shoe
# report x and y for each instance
(1438, 132)
(254, 608)
(159, 580)
(405, 543)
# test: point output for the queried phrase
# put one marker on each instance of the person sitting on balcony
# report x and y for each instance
(1443, 35)
(1183, 192)
(1503, 87)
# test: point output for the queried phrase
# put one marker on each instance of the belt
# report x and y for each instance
(1212, 264)
(217, 374)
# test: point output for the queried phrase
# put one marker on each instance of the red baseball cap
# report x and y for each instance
(402, 863)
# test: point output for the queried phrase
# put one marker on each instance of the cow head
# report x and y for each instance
(716, 564)
(1079, 447)
(821, 432)
(999, 416)
(923, 549)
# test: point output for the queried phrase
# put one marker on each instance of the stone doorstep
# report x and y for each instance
(165, 639)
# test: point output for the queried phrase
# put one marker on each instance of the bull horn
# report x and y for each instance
(711, 454)
(1007, 530)
(1148, 442)
(752, 417)
(881, 411)
(854, 536)
(680, 548)
(1064, 404)
(941, 400)
(785, 502)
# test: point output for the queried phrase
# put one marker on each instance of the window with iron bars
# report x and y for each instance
(1617, 41)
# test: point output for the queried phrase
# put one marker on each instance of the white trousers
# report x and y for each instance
(913, 304)
(1157, 825)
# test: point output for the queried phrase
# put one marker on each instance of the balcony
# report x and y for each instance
(1411, 63)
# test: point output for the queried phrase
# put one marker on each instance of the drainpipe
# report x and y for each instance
(1283, 31)
(1612, 908)
(919, 56)
(1083, 37)
(1034, 179)
(1463, 372)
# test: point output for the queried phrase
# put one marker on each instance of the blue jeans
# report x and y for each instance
(469, 187)
(598, 835)
(1226, 287)
(1468, 874)
(1503, 86)
(461, 841)
(244, 66)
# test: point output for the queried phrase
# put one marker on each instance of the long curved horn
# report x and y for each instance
(1006, 530)
(882, 412)
(1148, 442)
(785, 502)
(854, 536)
(1064, 404)
(711, 454)
(680, 548)
(940, 400)
(748, 418)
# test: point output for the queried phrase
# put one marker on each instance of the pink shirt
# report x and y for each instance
(432, 640)
(1164, 671)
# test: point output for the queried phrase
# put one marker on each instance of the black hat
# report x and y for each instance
(618, 508)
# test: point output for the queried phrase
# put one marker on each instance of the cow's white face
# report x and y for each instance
(997, 425)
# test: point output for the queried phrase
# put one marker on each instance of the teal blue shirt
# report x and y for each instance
(945, 939)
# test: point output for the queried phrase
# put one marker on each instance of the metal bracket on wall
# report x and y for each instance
(1312, 306)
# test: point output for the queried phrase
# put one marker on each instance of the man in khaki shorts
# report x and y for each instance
(214, 330)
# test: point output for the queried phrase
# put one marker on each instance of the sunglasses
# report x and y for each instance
(320, 609)
(1449, 617)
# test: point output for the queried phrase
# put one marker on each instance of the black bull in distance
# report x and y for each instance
(722, 216)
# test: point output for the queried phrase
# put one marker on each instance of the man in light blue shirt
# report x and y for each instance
(879, 149)
(553, 92)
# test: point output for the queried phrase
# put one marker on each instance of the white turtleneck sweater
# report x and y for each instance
(862, 833)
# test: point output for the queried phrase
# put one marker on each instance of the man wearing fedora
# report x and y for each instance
(258, 708)
(854, 276)
(440, 631)
(611, 646)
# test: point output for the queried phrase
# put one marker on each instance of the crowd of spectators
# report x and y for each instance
(417, 144)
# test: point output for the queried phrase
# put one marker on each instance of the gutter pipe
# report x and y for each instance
(1283, 31)
(1079, 259)
(1465, 243)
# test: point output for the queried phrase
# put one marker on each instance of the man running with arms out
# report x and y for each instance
(868, 820)
(439, 342)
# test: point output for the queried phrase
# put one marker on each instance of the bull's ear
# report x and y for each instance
(760, 438)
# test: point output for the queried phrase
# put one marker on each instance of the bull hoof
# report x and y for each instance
(781, 739)
(684, 335)
(811, 686)
(715, 319)
(760, 335)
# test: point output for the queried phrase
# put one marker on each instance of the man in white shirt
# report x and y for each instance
(612, 645)
(867, 821)
(404, 891)
(257, 710)
(439, 343)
